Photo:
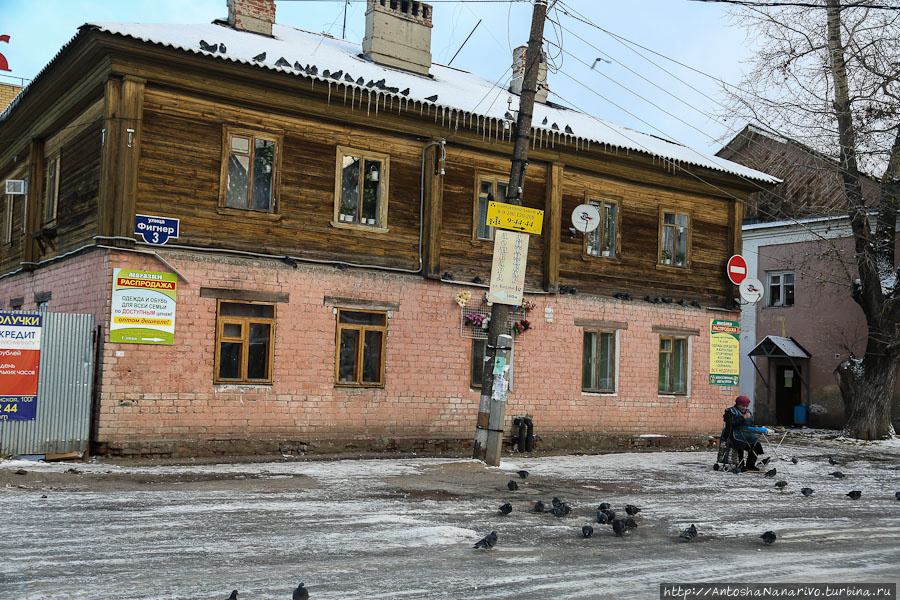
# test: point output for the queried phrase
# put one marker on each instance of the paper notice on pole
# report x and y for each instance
(508, 268)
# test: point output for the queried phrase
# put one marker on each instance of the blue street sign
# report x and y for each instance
(155, 230)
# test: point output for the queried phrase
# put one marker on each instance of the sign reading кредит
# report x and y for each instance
(724, 352)
(20, 355)
(143, 307)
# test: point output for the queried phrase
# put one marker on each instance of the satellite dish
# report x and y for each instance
(585, 218)
(751, 290)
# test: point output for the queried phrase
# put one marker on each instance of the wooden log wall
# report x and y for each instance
(179, 177)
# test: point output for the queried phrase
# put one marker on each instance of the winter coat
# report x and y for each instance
(740, 426)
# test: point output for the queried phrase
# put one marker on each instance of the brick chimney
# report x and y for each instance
(518, 75)
(256, 16)
(398, 34)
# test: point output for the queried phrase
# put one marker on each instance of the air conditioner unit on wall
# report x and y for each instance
(16, 187)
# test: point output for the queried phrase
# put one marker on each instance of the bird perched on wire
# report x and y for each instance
(522, 474)
(771, 472)
(512, 485)
(769, 538)
(781, 484)
(506, 508)
(837, 475)
(301, 593)
(487, 542)
(587, 531)
(854, 494)
(806, 492)
(631, 509)
(690, 533)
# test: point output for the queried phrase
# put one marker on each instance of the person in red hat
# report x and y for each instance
(741, 420)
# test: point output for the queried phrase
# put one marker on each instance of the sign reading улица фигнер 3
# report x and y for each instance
(156, 230)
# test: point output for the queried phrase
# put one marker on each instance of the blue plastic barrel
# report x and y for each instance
(800, 415)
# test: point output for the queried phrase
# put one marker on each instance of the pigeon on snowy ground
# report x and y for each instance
(837, 475)
(555, 502)
(506, 508)
(771, 472)
(587, 531)
(301, 593)
(487, 542)
(619, 528)
(766, 460)
(781, 484)
(233, 595)
(602, 517)
(523, 474)
(806, 492)
(539, 506)
(604, 506)
(854, 494)
(795, 460)
(690, 533)
(769, 538)
(631, 509)
(832, 462)
(897, 495)
(512, 485)
(560, 511)
(630, 523)
(611, 515)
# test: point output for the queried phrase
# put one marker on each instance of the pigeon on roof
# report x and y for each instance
(487, 542)
(405, 92)
(282, 62)
(392, 89)
(568, 129)
(554, 127)
(298, 66)
(432, 98)
(301, 593)
(260, 57)
(348, 78)
(337, 74)
(208, 47)
(544, 122)
(690, 533)
(326, 73)
(222, 48)
(313, 70)
(360, 81)
(508, 116)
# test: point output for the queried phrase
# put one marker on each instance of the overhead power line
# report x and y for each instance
(800, 4)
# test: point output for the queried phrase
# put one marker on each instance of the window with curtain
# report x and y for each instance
(598, 370)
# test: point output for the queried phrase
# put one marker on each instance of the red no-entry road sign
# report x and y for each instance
(736, 269)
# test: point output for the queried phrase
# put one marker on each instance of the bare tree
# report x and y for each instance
(830, 77)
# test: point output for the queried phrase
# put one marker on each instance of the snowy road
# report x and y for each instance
(405, 528)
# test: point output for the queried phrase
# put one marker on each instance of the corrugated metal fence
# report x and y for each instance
(65, 385)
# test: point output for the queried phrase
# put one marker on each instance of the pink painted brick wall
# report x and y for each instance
(166, 392)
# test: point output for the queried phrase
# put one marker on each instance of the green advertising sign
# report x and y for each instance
(724, 352)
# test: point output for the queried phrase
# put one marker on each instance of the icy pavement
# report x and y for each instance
(405, 528)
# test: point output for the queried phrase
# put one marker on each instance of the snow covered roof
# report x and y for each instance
(455, 97)
(775, 346)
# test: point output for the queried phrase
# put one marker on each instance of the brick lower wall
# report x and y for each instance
(161, 399)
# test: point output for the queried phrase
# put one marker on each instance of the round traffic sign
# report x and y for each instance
(585, 218)
(736, 269)
(751, 290)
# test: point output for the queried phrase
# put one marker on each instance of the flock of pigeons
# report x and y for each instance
(346, 77)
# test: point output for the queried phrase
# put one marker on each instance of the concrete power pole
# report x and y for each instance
(492, 412)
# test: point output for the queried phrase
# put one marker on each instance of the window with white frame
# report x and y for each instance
(781, 288)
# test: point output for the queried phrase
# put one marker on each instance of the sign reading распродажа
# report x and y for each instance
(20, 355)
(143, 307)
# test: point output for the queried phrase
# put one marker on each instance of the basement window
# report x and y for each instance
(361, 189)
(245, 342)
(250, 169)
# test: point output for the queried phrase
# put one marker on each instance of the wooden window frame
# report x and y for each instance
(245, 322)
(617, 243)
(8, 219)
(494, 180)
(381, 226)
(51, 190)
(615, 358)
(669, 391)
(229, 131)
(781, 285)
(360, 348)
(690, 238)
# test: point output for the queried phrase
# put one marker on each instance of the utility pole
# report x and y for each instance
(492, 411)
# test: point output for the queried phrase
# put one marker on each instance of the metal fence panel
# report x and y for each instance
(65, 385)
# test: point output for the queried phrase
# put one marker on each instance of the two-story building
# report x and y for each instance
(331, 203)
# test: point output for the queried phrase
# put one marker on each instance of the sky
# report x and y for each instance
(632, 89)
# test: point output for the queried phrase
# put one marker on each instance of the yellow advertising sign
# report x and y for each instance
(518, 218)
